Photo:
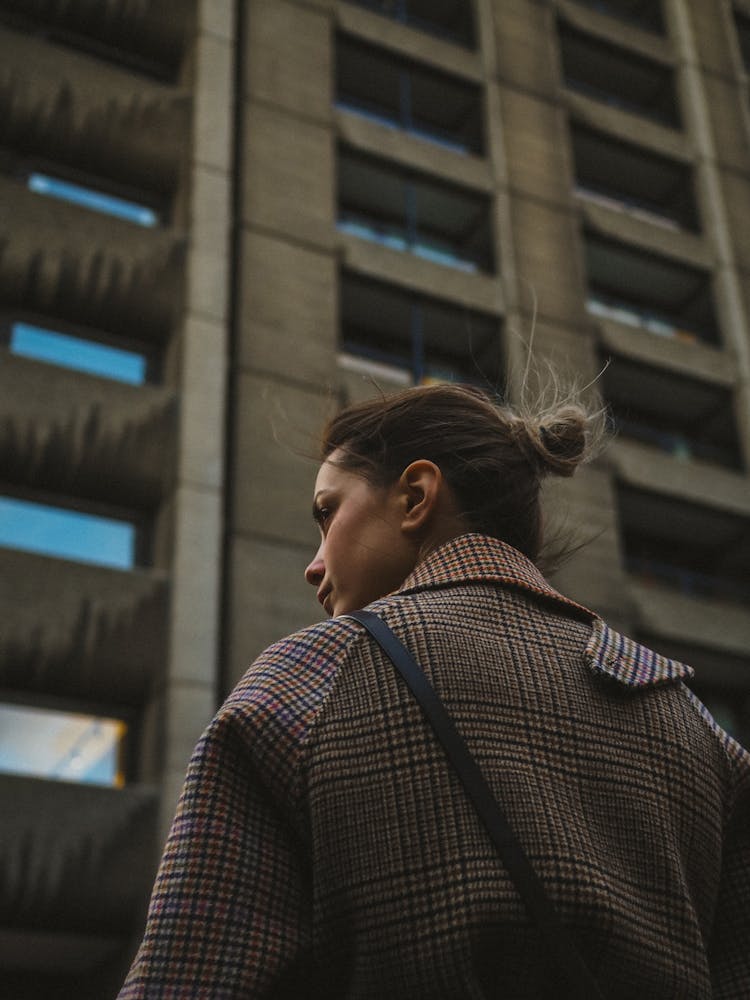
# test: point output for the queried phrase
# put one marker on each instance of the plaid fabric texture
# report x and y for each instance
(323, 848)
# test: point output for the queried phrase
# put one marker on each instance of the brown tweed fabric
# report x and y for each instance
(322, 847)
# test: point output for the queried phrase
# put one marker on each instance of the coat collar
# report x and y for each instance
(479, 558)
(614, 655)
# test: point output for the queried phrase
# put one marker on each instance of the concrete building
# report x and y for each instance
(245, 212)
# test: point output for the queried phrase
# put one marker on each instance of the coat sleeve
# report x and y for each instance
(730, 944)
(229, 910)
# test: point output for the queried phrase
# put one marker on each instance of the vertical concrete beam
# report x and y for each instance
(284, 350)
(702, 125)
(189, 698)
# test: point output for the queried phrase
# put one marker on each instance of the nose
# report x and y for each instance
(316, 570)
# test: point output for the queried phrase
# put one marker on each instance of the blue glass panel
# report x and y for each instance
(74, 352)
(69, 534)
(95, 200)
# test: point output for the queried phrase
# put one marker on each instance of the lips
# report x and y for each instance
(324, 598)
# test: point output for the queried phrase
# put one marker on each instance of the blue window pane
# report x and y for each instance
(95, 200)
(54, 531)
(61, 745)
(74, 352)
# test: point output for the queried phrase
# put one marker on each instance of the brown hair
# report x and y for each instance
(493, 456)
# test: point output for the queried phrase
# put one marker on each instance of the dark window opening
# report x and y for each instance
(646, 14)
(432, 105)
(429, 338)
(686, 417)
(618, 77)
(150, 42)
(91, 191)
(451, 20)
(648, 291)
(699, 551)
(410, 212)
(93, 198)
(633, 179)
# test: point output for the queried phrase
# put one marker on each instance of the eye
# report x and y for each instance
(322, 516)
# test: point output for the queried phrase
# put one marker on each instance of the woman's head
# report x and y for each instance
(474, 466)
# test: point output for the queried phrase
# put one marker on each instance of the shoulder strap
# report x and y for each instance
(564, 955)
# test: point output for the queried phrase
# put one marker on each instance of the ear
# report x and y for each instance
(421, 484)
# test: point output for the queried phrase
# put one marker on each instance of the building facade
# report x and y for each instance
(218, 221)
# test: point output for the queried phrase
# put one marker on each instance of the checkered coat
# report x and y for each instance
(323, 848)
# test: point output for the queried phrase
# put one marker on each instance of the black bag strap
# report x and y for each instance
(565, 957)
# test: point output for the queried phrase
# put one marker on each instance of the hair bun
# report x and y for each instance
(559, 440)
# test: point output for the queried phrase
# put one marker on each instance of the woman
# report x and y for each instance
(323, 847)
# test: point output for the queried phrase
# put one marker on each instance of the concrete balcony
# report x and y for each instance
(693, 481)
(662, 611)
(77, 866)
(399, 146)
(695, 360)
(409, 42)
(627, 126)
(477, 291)
(66, 261)
(80, 631)
(96, 118)
(83, 436)
(625, 227)
(614, 30)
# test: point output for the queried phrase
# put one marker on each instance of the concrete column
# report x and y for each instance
(704, 127)
(190, 695)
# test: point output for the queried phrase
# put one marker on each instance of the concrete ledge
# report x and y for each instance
(710, 364)
(74, 433)
(692, 481)
(400, 147)
(91, 115)
(621, 34)
(75, 858)
(660, 611)
(409, 42)
(88, 268)
(86, 632)
(475, 291)
(626, 228)
(629, 127)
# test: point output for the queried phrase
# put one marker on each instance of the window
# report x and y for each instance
(97, 201)
(427, 338)
(632, 179)
(648, 291)
(688, 418)
(67, 534)
(448, 19)
(697, 550)
(618, 76)
(406, 211)
(644, 14)
(61, 746)
(67, 351)
(403, 94)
